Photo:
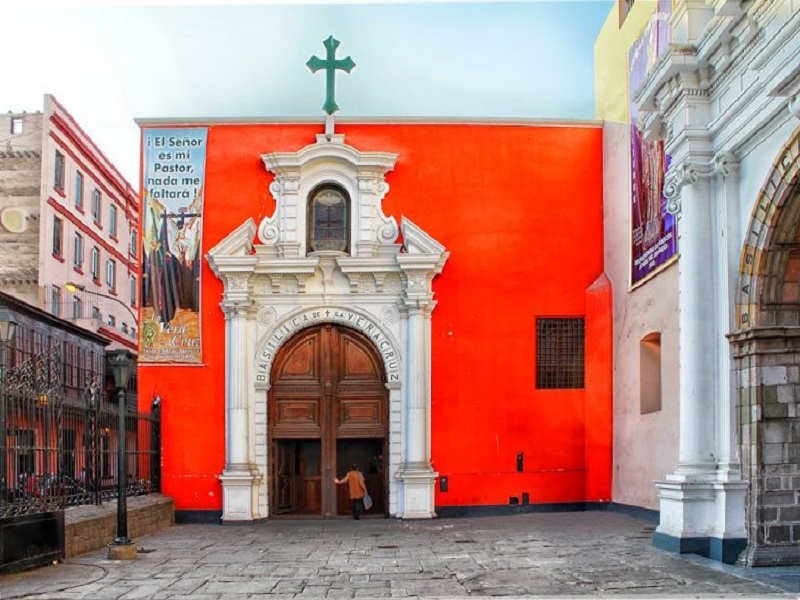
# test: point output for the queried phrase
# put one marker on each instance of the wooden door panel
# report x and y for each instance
(312, 495)
(301, 361)
(327, 385)
(357, 362)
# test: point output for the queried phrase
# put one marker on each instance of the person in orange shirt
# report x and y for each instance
(357, 488)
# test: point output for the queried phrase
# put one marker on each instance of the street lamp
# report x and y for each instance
(121, 548)
(73, 287)
(8, 329)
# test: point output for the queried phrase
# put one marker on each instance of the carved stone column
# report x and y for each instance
(424, 258)
(239, 478)
(702, 502)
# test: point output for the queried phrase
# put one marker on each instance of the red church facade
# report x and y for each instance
(515, 400)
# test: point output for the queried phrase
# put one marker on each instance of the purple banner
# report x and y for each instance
(654, 237)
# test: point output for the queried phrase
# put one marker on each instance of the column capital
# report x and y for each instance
(794, 106)
(235, 308)
(689, 171)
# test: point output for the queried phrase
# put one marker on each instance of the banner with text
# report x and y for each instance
(172, 224)
(654, 238)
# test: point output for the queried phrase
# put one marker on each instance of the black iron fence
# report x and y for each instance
(59, 444)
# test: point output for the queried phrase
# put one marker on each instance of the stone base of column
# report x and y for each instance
(416, 492)
(702, 517)
(240, 496)
(771, 556)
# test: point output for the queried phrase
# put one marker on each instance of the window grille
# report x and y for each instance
(560, 353)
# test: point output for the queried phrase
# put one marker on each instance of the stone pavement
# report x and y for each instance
(532, 555)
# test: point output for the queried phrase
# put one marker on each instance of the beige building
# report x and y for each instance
(68, 224)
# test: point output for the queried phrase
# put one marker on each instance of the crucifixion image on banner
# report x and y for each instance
(172, 204)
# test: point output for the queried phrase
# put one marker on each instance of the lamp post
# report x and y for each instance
(79, 287)
(121, 548)
(8, 329)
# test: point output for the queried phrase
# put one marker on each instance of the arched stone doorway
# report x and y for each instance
(767, 350)
(328, 409)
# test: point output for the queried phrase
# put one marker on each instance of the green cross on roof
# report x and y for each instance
(330, 64)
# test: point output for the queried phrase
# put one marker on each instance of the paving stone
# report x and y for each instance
(579, 554)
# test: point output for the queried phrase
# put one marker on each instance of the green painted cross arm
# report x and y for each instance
(330, 64)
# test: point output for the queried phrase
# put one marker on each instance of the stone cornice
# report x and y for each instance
(287, 163)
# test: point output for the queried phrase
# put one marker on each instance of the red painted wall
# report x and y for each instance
(519, 208)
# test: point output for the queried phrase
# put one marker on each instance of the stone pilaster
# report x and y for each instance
(240, 477)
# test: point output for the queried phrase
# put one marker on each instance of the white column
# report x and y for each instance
(728, 272)
(240, 478)
(235, 395)
(702, 502)
(696, 448)
(417, 455)
(416, 474)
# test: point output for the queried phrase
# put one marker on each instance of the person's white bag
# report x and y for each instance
(367, 501)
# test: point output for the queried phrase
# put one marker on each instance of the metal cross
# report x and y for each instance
(330, 64)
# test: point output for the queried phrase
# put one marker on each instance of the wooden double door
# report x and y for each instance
(327, 410)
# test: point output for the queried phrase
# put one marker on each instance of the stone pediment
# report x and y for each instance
(329, 161)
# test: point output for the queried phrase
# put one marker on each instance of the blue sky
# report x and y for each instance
(123, 61)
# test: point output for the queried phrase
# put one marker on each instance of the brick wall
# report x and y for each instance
(90, 528)
(768, 407)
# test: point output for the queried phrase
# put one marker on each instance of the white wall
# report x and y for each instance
(645, 446)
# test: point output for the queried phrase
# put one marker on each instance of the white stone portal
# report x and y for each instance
(274, 288)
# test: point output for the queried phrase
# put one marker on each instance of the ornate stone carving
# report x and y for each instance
(268, 231)
(392, 284)
(266, 316)
(389, 314)
(690, 172)
(236, 283)
(367, 284)
(288, 285)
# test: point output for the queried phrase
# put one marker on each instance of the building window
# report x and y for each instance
(16, 125)
(112, 221)
(124, 327)
(133, 290)
(78, 251)
(58, 236)
(55, 300)
(60, 171)
(77, 308)
(650, 373)
(112, 321)
(111, 275)
(134, 243)
(96, 314)
(95, 263)
(79, 190)
(559, 353)
(328, 220)
(96, 206)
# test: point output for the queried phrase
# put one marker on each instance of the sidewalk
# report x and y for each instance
(532, 555)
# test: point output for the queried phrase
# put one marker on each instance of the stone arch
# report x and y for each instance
(769, 267)
(765, 348)
(287, 326)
